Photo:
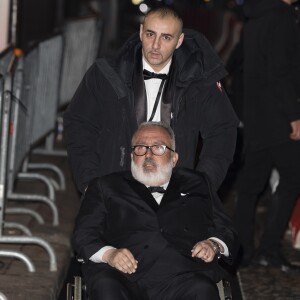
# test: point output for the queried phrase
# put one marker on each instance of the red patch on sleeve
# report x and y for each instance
(219, 86)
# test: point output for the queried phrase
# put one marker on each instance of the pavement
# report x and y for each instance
(16, 281)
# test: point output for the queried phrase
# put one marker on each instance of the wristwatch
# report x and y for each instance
(216, 248)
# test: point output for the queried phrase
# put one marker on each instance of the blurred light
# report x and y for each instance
(144, 8)
(136, 2)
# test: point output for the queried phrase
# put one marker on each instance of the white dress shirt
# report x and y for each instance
(152, 87)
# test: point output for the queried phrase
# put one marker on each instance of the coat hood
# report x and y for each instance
(257, 8)
(197, 60)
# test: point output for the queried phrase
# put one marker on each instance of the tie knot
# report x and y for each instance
(156, 189)
(149, 75)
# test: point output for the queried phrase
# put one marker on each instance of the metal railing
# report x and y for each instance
(81, 44)
(42, 99)
(21, 125)
(82, 38)
(10, 87)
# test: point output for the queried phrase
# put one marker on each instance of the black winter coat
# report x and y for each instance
(101, 118)
(271, 73)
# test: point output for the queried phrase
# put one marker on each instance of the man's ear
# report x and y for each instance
(180, 40)
(175, 158)
(141, 31)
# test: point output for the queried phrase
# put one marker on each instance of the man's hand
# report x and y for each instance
(121, 259)
(295, 135)
(204, 250)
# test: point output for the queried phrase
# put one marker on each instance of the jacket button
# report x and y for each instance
(161, 230)
(185, 229)
(146, 246)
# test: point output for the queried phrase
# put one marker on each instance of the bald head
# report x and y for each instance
(165, 12)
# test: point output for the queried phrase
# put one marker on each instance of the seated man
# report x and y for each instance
(160, 242)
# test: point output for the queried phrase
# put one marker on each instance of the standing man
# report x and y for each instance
(180, 85)
(155, 232)
(272, 127)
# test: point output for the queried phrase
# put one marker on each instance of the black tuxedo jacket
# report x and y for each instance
(119, 211)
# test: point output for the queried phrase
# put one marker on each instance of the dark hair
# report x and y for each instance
(162, 125)
(165, 11)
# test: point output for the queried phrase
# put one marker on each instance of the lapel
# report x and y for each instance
(166, 110)
(166, 103)
(172, 193)
(143, 192)
(140, 98)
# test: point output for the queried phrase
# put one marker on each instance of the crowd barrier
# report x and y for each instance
(42, 67)
(81, 45)
(8, 97)
(82, 38)
(23, 122)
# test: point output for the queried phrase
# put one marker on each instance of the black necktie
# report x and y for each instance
(148, 75)
(156, 189)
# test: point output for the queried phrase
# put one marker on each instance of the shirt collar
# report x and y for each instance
(164, 70)
(163, 185)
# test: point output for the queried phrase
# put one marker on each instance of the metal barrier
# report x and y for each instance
(3, 135)
(22, 111)
(81, 44)
(4, 125)
(10, 87)
(19, 255)
(43, 109)
(82, 38)
(5, 59)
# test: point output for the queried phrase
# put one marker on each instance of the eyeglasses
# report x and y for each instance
(158, 150)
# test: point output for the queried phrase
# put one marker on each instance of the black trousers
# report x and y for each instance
(181, 280)
(254, 177)
(109, 284)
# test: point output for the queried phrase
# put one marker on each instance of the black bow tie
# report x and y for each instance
(148, 75)
(156, 189)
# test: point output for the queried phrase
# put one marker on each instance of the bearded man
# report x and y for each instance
(155, 232)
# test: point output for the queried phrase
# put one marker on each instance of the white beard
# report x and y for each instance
(160, 177)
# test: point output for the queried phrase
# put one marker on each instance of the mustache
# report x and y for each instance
(154, 52)
(150, 161)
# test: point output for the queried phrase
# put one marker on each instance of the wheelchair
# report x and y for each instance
(77, 290)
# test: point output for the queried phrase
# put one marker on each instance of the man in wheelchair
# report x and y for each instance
(154, 233)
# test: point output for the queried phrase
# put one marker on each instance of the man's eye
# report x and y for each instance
(149, 34)
(166, 37)
(140, 148)
(158, 147)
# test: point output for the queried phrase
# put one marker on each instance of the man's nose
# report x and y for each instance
(148, 152)
(156, 43)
